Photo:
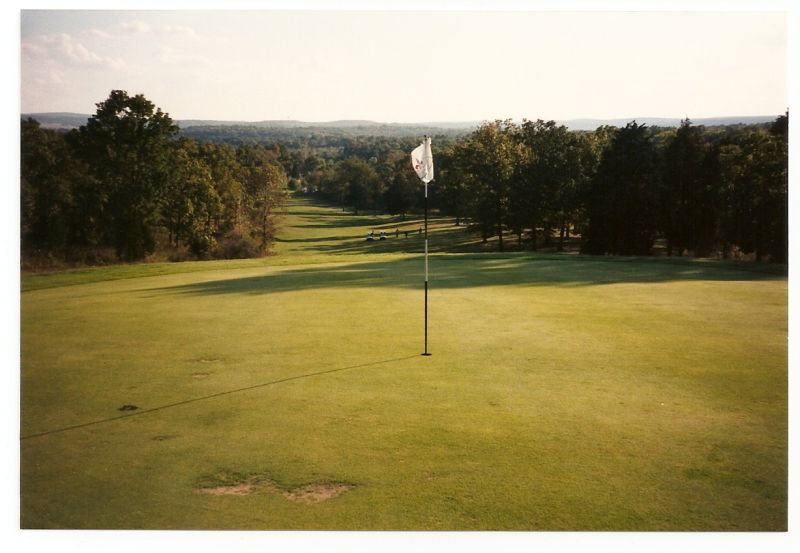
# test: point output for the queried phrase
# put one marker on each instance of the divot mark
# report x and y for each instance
(200, 375)
(241, 489)
(238, 484)
(127, 407)
(316, 493)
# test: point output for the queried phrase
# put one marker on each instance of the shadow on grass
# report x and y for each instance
(464, 271)
(145, 411)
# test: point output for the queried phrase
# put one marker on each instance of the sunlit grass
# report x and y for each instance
(564, 392)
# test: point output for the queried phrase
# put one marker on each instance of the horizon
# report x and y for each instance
(410, 123)
(314, 66)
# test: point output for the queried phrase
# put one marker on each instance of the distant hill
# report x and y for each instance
(58, 120)
(74, 120)
(592, 124)
(202, 127)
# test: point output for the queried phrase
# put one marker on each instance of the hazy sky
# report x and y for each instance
(408, 66)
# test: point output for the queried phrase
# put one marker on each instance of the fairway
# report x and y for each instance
(564, 392)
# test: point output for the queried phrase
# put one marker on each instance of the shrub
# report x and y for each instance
(237, 245)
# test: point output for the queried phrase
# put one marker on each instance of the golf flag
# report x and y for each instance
(422, 159)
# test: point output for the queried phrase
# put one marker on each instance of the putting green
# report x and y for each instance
(563, 393)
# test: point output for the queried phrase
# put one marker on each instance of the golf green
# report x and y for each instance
(564, 392)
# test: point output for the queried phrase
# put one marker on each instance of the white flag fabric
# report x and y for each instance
(422, 160)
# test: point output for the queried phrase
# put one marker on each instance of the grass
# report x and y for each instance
(564, 392)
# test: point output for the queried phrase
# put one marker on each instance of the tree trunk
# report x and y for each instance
(561, 236)
(264, 230)
(533, 237)
(500, 235)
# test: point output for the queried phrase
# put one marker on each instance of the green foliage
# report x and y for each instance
(265, 185)
(755, 193)
(192, 205)
(622, 203)
(491, 166)
(707, 191)
(551, 178)
(360, 182)
(125, 145)
(50, 207)
(403, 189)
(237, 245)
(689, 191)
(124, 181)
(449, 191)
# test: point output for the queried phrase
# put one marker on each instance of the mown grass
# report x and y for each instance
(564, 392)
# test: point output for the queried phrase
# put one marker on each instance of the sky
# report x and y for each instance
(408, 66)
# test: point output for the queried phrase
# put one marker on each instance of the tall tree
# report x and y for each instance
(452, 194)
(190, 205)
(45, 194)
(401, 193)
(227, 176)
(61, 203)
(493, 155)
(552, 175)
(623, 201)
(755, 182)
(359, 181)
(688, 192)
(125, 146)
(265, 184)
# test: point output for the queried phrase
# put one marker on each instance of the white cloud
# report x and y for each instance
(64, 49)
(140, 27)
(32, 49)
(97, 33)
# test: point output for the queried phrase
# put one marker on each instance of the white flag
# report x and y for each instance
(422, 159)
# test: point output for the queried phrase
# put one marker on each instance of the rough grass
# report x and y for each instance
(564, 392)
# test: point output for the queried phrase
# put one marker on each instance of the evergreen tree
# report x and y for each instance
(689, 191)
(623, 201)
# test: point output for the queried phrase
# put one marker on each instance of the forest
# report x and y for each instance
(131, 185)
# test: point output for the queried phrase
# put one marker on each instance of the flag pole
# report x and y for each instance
(426, 353)
(422, 160)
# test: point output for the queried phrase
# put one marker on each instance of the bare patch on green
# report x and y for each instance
(316, 492)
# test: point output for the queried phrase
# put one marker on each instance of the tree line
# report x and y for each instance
(124, 186)
(128, 184)
(717, 191)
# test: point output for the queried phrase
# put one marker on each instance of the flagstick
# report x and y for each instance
(426, 270)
